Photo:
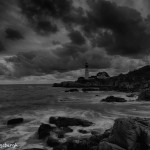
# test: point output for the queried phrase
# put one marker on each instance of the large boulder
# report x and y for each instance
(97, 138)
(52, 142)
(113, 99)
(78, 144)
(15, 121)
(66, 129)
(129, 134)
(144, 95)
(65, 122)
(143, 121)
(44, 131)
(126, 134)
(109, 146)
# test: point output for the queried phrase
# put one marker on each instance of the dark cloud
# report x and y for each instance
(95, 34)
(68, 58)
(35, 9)
(56, 42)
(143, 6)
(46, 15)
(42, 13)
(46, 27)
(77, 38)
(127, 26)
(13, 34)
(70, 50)
(2, 48)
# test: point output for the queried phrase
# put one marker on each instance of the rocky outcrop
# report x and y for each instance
(144, 95)
(67, 129)
(126, 134)
(15, 121)
(77, 144)
(109, 146)
(35, 149)
(90, 89)
(65, 122)
(52, 142)
(72, 90)
(130, 134)
(130, 82)
(113, 99)
(44, 131)
(83, 131)
(131, 95)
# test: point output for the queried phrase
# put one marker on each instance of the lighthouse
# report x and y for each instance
(86, 71)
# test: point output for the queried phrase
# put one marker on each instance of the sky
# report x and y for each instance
(47, 41)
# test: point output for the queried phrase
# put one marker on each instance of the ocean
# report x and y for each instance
(36, 103)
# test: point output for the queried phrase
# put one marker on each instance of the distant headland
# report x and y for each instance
(133, 81)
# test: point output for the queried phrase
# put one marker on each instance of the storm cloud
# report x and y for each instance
(77, 38)
(57, 37)
(2, 48)
(128, 28)
(13, 34)
(61, 60)
(45, 16)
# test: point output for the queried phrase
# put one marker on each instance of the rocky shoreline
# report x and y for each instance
(126, 134)
(133, 81)
(131, 133)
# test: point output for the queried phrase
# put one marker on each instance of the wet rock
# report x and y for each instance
(144, 96)
(144, 121)
(65, 122)
(129, 134)
(109, 146)
(97, 138)
(113, 99)
(15, 121)
(76, 145)
(66, 129)
(51, 142)
(34, 149)
(83, 131)
(90, 89)
(131, 95)
(61, 147)
(44, 131)
(72, 90)
(126, 134)
(60, 135)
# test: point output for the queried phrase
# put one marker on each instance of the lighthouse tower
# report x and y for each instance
(86, 71)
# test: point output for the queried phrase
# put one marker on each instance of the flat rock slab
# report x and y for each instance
(34, 149)
(113, 99)
(65, 122)
(15, 121)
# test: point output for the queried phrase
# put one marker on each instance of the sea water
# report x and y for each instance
(36, 103)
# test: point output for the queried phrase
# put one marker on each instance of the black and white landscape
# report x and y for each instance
(75, 74)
